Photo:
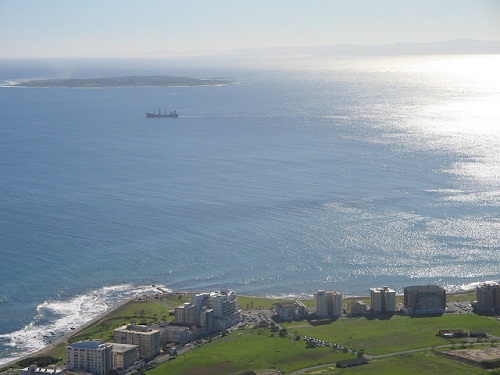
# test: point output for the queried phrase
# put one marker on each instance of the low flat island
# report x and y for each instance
(126, 81)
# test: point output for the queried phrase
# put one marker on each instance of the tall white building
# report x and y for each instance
(225, 309)
(92, 356)
(185, 314)
(328, 304)
(210, 312)
(320, 304)
(383, 300)
(207, 319)
(146, 338)
(200, 301)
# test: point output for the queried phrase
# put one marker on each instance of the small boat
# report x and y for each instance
(172, 114)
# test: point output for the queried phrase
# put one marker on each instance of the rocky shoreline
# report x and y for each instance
(64, 339)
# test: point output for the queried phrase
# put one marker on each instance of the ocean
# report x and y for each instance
(345, 175)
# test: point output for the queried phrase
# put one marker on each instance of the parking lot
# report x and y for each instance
(459, 307)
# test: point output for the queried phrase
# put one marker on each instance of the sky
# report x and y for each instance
(154, 28)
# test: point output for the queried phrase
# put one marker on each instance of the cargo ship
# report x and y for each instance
(173, 114)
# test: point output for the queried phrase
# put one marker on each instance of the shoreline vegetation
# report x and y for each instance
(139, 309)
(118, 82)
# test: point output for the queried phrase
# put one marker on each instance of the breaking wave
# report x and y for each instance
(56, 318)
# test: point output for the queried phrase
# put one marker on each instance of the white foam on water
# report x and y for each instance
(57, 317)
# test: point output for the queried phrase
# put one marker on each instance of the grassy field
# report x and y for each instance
(424, 363)
(249, 302)
(259, 349)
(399, 333)
(136, 312)
(249, 349)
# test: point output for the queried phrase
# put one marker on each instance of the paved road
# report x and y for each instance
(305, 370)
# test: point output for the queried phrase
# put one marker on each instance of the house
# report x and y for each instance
(352, 362)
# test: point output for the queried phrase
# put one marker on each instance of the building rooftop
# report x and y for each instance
(423, 288)
(122, 348)
(88, 344)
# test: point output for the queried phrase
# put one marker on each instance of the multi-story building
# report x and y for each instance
(356, 308)
(92, 356)
(320, 304)
(488, 298)
(382, 300)
(301, 309)
(328, 304)
(200, 301)
(211, 312)
(177, 334)
(290, 311)
(424, 300)
(285, 311)
(186, 314)
(335, 304)
(225, 309)
(206, 319)
(146, 338)
(125, 356)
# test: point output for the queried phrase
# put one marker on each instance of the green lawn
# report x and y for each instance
(411, 364)
(248, 349)
(396, 334)
(137, 312)
(254, 349)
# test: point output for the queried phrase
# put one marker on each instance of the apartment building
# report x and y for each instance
(91, 356)
(146, 338)
(225, 309)
(424, 300)
(185, 314)
(290, 311)
(177, 334)
(382, 300)
(357, 308)
(488, 298)
(328, 304)
(124, 356)
(285, 311)
(200, 301)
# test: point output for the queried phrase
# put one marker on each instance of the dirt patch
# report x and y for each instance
(265, 371)
(476, 355)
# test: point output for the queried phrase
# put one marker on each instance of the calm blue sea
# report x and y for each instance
(338, 176)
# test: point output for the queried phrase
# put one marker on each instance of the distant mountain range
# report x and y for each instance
(457, 46)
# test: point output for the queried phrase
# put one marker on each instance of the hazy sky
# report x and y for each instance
(109, 28)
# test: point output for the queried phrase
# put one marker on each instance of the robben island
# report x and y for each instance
(205, 317)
